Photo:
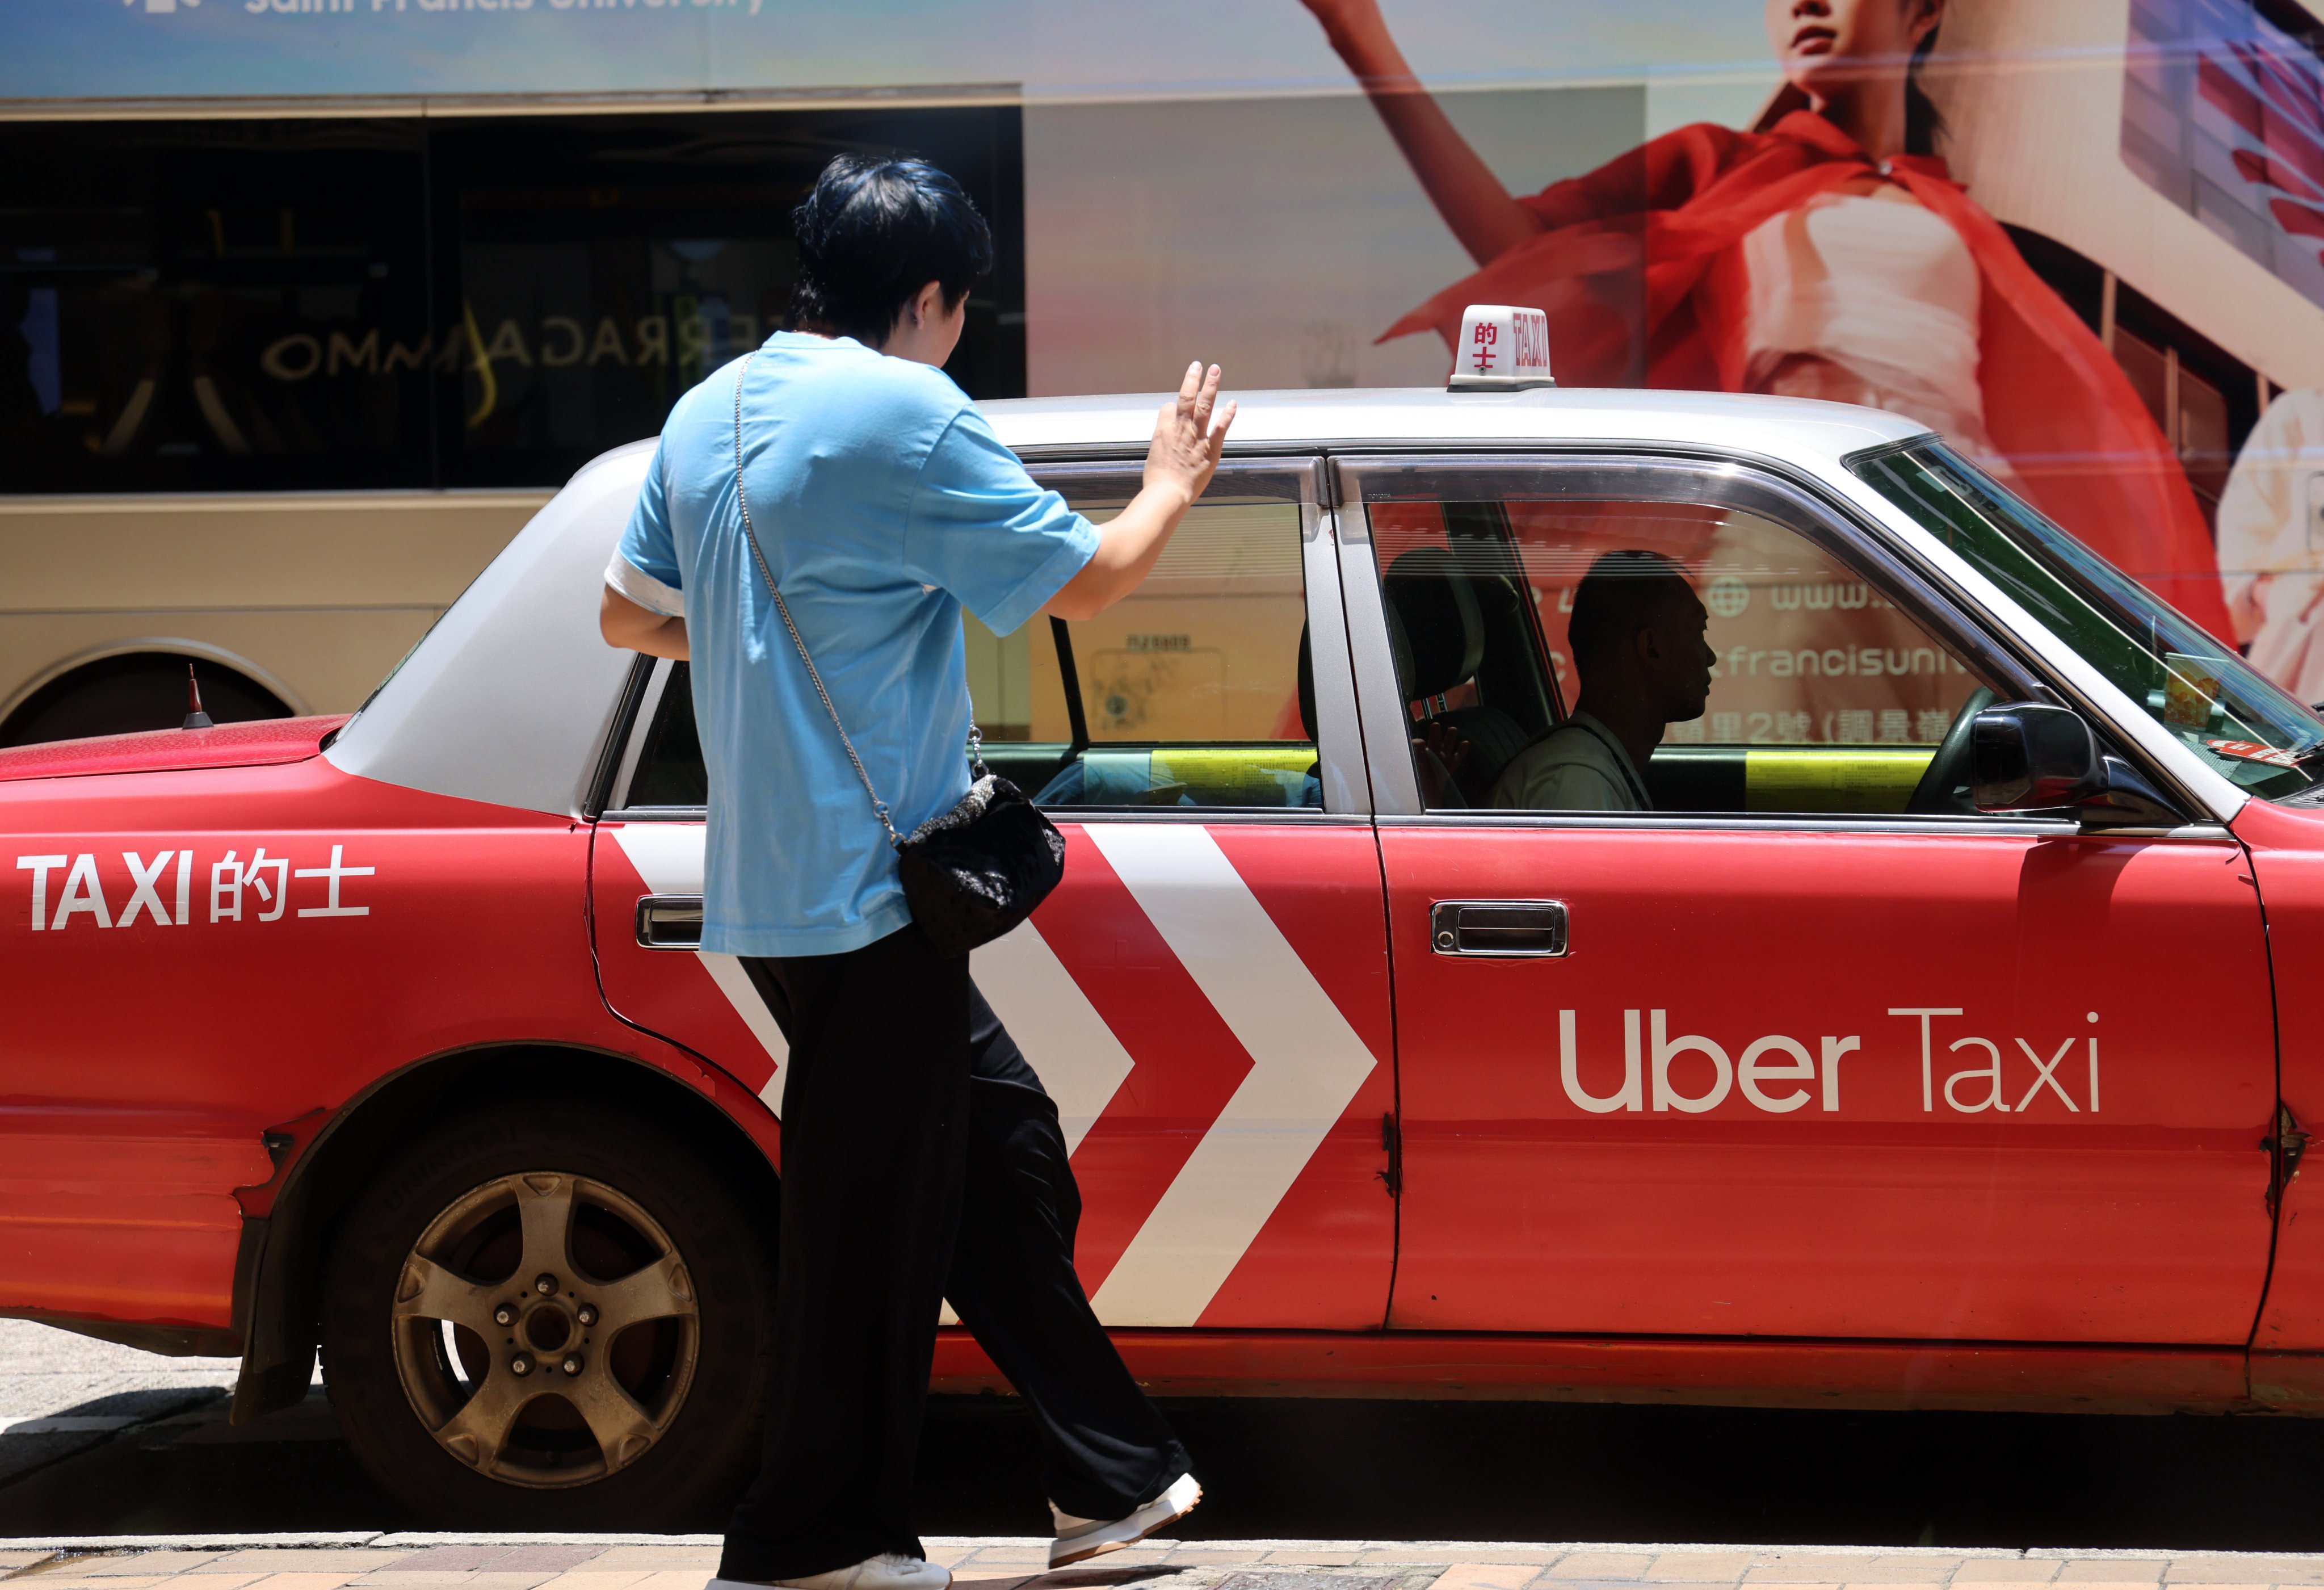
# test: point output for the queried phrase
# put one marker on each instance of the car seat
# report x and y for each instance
(1440, 619)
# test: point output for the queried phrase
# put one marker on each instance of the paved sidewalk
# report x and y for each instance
(639, 1562)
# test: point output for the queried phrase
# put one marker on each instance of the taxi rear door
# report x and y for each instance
(1205, 996)
(1784, 1057)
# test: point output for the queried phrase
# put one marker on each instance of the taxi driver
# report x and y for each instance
(1636, 636)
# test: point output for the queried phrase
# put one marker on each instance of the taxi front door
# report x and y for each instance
(1205, 996)
(1838, 1074)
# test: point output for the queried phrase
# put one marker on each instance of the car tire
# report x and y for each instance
(567, 1392)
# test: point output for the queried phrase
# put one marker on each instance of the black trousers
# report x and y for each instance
(922, 1160)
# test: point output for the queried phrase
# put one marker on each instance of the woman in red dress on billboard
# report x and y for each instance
(1826, 253)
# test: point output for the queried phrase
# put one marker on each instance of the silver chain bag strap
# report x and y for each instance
(973, 872)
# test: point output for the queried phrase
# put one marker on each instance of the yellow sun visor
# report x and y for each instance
(1503, 347)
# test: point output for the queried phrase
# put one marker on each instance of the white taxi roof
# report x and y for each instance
(1796, 428)
(508, 698)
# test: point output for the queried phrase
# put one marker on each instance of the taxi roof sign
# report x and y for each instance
(1502, 348)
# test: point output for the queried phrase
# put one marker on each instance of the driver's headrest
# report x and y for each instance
(1434, 623)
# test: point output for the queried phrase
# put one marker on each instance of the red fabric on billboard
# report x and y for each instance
(1665, 223)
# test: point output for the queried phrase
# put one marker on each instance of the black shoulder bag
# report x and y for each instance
(973, 874)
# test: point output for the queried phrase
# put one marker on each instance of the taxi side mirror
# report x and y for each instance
(2029, 757)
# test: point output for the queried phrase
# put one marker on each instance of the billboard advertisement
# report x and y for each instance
(474, 241)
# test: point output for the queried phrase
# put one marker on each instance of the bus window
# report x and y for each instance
(273, 305)
(215, 305)
(607, 263)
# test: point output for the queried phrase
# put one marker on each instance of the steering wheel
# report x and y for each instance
(1940, 787)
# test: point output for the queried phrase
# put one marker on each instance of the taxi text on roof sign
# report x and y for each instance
(1502, 348)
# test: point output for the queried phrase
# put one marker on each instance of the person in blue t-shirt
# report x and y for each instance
(921, 1159)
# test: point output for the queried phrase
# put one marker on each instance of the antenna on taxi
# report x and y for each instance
(1503, 347)
(195, 718)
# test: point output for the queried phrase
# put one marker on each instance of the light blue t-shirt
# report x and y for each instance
(884, 504)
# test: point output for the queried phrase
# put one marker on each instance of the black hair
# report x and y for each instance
(1624, 592)
(1923, 123)
(873, 231)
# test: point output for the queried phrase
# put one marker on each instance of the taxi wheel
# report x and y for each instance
(551, 1318)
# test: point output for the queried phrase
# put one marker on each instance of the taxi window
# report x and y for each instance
(1192, 691)
(670, 771)
(1782, 679)
(2198, 687)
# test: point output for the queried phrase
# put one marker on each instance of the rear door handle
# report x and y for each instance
(669, 921)
(1498, 927)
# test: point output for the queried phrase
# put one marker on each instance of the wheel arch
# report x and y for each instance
(174, 646)
(326, 1159)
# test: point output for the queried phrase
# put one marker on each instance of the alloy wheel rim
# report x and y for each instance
(546, 1330)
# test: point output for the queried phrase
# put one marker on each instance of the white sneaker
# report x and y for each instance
(891, 1571)
(1079, 1539)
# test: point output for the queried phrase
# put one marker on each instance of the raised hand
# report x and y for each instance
(1188, 434)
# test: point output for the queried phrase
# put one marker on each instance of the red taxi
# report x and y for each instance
(1942, 1036)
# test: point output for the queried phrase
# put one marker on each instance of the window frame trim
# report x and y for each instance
(1831, 825)
(1830, 527)
(2176, 770)
(1342, 768)
(1338, 731)
(617, 756)
(648, 684)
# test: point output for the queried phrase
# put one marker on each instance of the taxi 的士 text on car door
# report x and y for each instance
(1909, 1036)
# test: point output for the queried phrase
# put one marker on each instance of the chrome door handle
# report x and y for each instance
(1498, 927)
(669, 921)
